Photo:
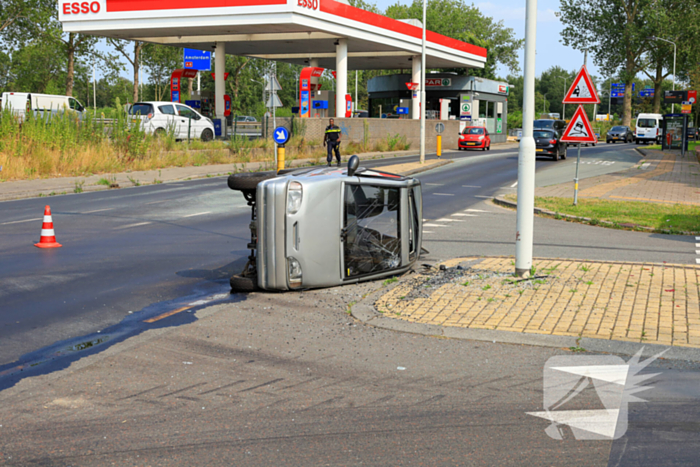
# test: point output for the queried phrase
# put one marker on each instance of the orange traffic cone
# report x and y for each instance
(48, 237)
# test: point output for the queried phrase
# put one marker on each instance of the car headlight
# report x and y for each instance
(294, 195)
(294, 272)
(480, 137)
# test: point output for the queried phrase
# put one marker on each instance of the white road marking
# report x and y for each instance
(433, 225)
(697, 252)
(19, 222)
(448, 220)
(156, 202)
(514, 185)
(463, 215)
(98, 210)
(132, 225)
(443, 194)
(435, 184)
(697, 245)
(426, 231)
(475, 210)
(697, 260)
(197, 214)
(470, 186)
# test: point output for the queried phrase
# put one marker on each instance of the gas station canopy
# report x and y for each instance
(294, 31)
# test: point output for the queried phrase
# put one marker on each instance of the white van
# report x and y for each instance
(648, 128)
(21, 102)
(52, 103)
(17, 102)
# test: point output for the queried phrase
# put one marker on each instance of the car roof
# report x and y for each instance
(159, 103)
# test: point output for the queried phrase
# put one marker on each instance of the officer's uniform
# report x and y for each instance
(333, 143)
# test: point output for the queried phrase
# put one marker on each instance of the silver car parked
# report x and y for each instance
(323, 227)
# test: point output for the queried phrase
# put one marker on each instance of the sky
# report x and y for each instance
(550, 50)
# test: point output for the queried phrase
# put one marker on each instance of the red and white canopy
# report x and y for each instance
(294, 31)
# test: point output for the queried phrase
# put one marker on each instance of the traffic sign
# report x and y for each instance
(582, 90)
(579, 129)
(440, 127)
(280, 135)
(692, 97)
(196, 59)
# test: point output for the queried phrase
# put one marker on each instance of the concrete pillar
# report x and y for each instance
(341, 70)
(219, 83)
(314, 63)
(415, 96)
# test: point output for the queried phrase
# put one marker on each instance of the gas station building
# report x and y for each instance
(316, 33)
(470, 99)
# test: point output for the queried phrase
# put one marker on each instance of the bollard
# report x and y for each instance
(280, 157)
(439, 145)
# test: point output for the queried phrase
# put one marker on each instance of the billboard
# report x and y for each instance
(675, 97)
(193, 59)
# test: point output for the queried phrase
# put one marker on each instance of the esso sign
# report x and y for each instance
(77, 8)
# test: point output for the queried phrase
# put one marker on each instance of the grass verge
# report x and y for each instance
(629, 215)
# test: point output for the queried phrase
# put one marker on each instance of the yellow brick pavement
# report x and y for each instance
(637, 302)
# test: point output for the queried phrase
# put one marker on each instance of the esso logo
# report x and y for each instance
(310, 4)
(77, 8)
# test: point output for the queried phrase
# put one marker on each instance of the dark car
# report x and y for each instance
(548, 142)
(549, 124)
(620, 133)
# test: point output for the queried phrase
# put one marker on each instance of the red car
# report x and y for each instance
(474, 137)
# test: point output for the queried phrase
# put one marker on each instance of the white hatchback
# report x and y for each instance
(182, 120)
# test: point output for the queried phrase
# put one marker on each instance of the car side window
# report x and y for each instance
(167, 109)
(186, 112)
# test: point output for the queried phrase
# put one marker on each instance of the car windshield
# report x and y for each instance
(618, 128)
(473, 131)
(141, 109)
(542, 134)
(646, 123)
(372, 229)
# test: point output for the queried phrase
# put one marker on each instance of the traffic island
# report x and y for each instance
(581, 305)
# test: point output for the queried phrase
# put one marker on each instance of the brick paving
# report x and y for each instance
(668, 178)
(636, 302)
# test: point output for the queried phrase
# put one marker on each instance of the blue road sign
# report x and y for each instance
(402, 111)
(646, 93)
(280, 135)
(196, 60)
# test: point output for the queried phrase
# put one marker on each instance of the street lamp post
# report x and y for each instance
(544, 103)
(422, 91)
(563, 110)
(654, 38)
(526, 153)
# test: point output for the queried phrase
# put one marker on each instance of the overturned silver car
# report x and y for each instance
(322, 227)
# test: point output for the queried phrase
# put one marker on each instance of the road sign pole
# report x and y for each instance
(525, 217)
(280, 157)
(578, 161)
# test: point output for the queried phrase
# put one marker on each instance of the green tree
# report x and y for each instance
(134, 58)
(458, 20)
(615, 32)
(160, 61)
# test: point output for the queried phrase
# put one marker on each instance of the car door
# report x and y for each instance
(188, 120)
(166, 119)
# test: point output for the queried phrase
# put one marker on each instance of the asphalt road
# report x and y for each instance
(291, 380)
(132, 249)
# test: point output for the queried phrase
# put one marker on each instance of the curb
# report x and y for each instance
(365, 312)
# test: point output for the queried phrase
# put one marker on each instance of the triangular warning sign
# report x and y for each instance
(579, 129)
(582, 90)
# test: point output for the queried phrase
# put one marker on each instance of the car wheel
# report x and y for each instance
(484, 148)
(563, 156)
(248, 181)
(207, 135)
(489, 148)
(159, 133)
(556, 155)
(241, 284)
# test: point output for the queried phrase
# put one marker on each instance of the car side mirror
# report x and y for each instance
(353, 165)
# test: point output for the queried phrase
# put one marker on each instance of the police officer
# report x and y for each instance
(331, 139)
